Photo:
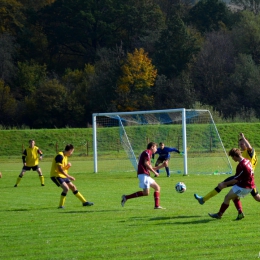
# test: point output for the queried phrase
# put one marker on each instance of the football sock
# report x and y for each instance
(18, 180)
(62, 199)
(210, 195)
(41, 179)
(167, 171)
(223, 209)
(135, 195)
(238, 205)
(79, 196)
(156, 195)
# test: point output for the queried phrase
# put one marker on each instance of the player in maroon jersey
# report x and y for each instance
(145, 180)
(243, 184)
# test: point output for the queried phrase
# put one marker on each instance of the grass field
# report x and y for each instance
(33, 228)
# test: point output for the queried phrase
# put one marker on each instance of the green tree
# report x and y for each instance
(30, 76)
(134, 86)
(245, 86)
(8, 54)
(48, 106)
(7, 105)
(212, 69)
(175, 49)
(174, 93)
(246, 35)
(76, 29)
(210, 15)
(11, 16)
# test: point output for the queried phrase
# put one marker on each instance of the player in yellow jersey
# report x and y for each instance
(249, 153)
(59, 175)
(30, 157)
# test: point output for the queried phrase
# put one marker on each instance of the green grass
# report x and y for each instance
(33, 228)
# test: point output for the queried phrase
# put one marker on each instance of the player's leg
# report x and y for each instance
(73, 188)
(255, 194)
(212, 193)
(65, 189)
(157, 163)
(38, 169)
(230, 196)
(143, 185)
(156, 195)
(20, 176)
(167, 168)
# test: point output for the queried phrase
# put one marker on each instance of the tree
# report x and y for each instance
(76, 29)
(246, 85)
(30, 76)
(12, 17)
(8, 52)
(7, 105)
(212, 69)
(174, 93)
(48, 106)
(175, 48)
(246, 35)
(134, 86)
(210, 15)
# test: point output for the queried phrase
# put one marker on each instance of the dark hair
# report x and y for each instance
(161, 143)
(31, 140)
(69, 147)
(151, 144)
(234, 152)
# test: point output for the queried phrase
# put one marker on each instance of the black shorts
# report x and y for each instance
(28, 168)
(58, 180)
(161, 160)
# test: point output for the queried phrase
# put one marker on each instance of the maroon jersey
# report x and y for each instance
(245, 175)
(145, 156)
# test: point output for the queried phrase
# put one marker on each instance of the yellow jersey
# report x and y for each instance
(31, 156)
(62, 160)
(251, 156)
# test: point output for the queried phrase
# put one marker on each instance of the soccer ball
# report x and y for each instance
(180, 187)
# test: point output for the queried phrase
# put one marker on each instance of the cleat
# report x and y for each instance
(43, 185)
(87, 203)
(15, 185)
(168, 176)
(123, 201)
(61, 207)
(216, 215)
(240, 216)
(199, 199)
(159, 207)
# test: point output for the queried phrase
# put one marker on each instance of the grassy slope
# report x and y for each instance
(12, 141)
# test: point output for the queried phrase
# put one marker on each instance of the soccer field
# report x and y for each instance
(33, 228)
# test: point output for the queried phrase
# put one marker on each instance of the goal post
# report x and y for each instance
(120, 137)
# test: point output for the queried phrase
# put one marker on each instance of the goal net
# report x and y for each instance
(119, 138)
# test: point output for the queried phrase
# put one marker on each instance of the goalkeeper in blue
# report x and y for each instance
(164, 156)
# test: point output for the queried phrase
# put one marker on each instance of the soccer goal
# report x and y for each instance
(119, 138)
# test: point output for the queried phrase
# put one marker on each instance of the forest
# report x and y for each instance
(62, 60)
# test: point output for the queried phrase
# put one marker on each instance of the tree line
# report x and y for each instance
(62, 60)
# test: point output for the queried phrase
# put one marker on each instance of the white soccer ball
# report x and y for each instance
(180, 187)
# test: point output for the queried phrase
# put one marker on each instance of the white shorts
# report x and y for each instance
(240, 192)
(145, 181)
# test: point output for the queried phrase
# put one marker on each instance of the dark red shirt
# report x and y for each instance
(245, 175)
(145, 156)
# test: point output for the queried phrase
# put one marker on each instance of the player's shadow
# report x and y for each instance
(189, 221)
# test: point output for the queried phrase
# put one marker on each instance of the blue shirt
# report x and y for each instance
(165, 152)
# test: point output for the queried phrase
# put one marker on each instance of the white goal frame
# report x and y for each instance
(182, 110)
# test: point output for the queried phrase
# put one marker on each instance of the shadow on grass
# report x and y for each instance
(189, 221)
(165, 220)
